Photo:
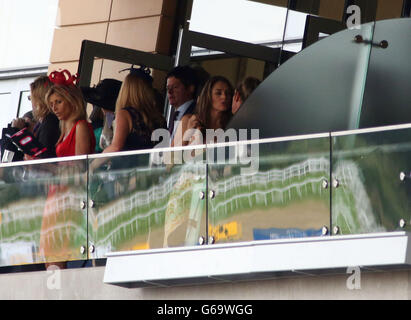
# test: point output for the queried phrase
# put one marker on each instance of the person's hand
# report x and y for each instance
(27, 157)
(18, 123)
(193, 122)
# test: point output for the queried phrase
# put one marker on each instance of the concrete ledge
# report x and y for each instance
(257, 260)
(87, 284)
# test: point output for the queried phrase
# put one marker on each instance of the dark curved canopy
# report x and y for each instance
(336, 84)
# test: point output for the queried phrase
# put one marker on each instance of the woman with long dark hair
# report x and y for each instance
(213, 111)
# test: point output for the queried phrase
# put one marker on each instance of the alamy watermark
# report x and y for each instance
(54, 278)
(354, 280)
(354, 20)
(236, 150)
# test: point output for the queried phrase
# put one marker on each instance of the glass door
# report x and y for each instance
(120, 190)
(14, 99)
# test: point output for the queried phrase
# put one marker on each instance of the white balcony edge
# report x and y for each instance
(257, 259)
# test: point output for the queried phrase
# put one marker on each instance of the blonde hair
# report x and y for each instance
(73, 96)
(137, 93)
(39, 88)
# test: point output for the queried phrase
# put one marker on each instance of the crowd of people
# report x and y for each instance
(125, 114)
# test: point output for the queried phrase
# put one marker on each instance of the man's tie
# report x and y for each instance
(172, 120)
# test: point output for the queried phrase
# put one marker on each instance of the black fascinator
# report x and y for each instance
(141, 72)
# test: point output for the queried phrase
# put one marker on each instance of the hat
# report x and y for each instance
(143, 72)
(104, 95)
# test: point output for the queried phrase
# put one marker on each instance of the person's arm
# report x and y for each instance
(83, 139)
(18, 123)
(123, 128)
(182, 136)
(192, 134)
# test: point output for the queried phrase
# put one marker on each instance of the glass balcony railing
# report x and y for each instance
(84, 207)
(145, 201)
(370, 179)
(273, 189)
(43, 217)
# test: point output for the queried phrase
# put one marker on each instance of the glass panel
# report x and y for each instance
(41, 217)
(113, 69)
(370, 196)
(297, 29)
(387, 96)
(294, 32)
(25, 104)
(7, 110)
(140, 202)
(234, 68)
(269, 190)
(241, 20)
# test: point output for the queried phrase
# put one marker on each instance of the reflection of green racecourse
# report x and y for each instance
(273, 188)
(371, 198)
(21, 222)
(352, 210)
(140, 212)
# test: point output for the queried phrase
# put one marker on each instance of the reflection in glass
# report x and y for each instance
(41, 219)
(370, 196)
(25, 104)
(234, 68)
(277, 194)
(140, 203)
(294, 31)
(5, 102)
(241, 20)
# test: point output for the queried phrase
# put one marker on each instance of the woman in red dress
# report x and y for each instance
(77, 136)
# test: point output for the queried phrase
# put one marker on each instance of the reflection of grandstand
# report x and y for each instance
(22, 221)
(271, 188)
(122, 219)
(20, 218)
(119, 220)
(137, 213)
(352, 210)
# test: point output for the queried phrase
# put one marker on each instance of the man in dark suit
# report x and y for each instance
(181, 90)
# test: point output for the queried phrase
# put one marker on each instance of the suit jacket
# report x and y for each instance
(189, 110)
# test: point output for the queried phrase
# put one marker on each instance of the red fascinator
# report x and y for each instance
(63, 77)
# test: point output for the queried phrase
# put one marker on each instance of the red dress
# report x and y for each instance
(67, 147)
